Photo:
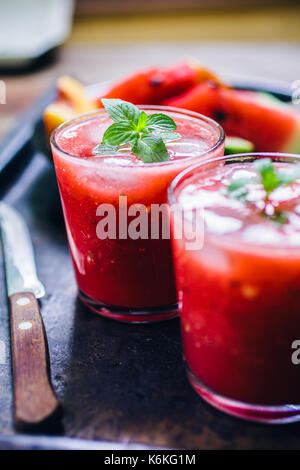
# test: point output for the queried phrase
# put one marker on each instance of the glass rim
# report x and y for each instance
(191, 114)
(172, 200)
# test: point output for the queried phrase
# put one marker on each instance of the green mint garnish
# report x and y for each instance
(150, 148)
(279, 217)
(270, 179)
(147, 134)
(237, 188)
(268, 174)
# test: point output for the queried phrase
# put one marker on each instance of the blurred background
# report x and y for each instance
(96, 40)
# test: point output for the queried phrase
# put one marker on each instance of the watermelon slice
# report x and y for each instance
(156, 84)
(269, 123)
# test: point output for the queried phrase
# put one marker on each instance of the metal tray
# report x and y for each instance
(122, 386)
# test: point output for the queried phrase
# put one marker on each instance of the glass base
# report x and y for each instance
(130, 315)
(269, 414)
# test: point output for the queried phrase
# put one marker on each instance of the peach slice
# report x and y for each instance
(71, 101)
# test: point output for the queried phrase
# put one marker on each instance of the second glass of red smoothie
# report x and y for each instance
(239, 290)
(120, 277)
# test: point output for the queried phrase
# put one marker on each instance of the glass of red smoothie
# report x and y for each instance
(120, 277)
(239, 293)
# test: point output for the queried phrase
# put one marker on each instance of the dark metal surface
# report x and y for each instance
(17, 146)
(116, 382)
(25, 442)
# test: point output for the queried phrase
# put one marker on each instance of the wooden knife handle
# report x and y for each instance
(35, 405)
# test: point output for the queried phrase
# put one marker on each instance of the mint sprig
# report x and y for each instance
(237, 189)
(119, 110)
(147, 134)
(270, 178)
(150, 148)
(268, 175)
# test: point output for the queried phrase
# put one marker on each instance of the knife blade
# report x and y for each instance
(18, 254)
(36, 407)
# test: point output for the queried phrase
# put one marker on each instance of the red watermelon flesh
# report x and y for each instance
(270, 126)
(156, 84)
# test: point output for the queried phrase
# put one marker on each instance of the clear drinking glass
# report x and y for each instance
(121, 277)
(239, 292)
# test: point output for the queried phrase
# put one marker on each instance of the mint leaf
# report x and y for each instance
(146, 134)
(279, 217)
(120, 110)
(142, 122)
(160, 122)
(169, 136)
(267, 173)
(288, 176)
(270, 178)
(119, 133)
(237, 188)
(104, 149)
(150, 148)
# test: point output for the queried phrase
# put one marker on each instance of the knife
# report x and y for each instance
(36, 407)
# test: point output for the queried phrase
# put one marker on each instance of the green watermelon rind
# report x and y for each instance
(293, 143)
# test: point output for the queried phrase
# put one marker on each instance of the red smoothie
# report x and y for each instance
(127, 279)
(239, 295)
